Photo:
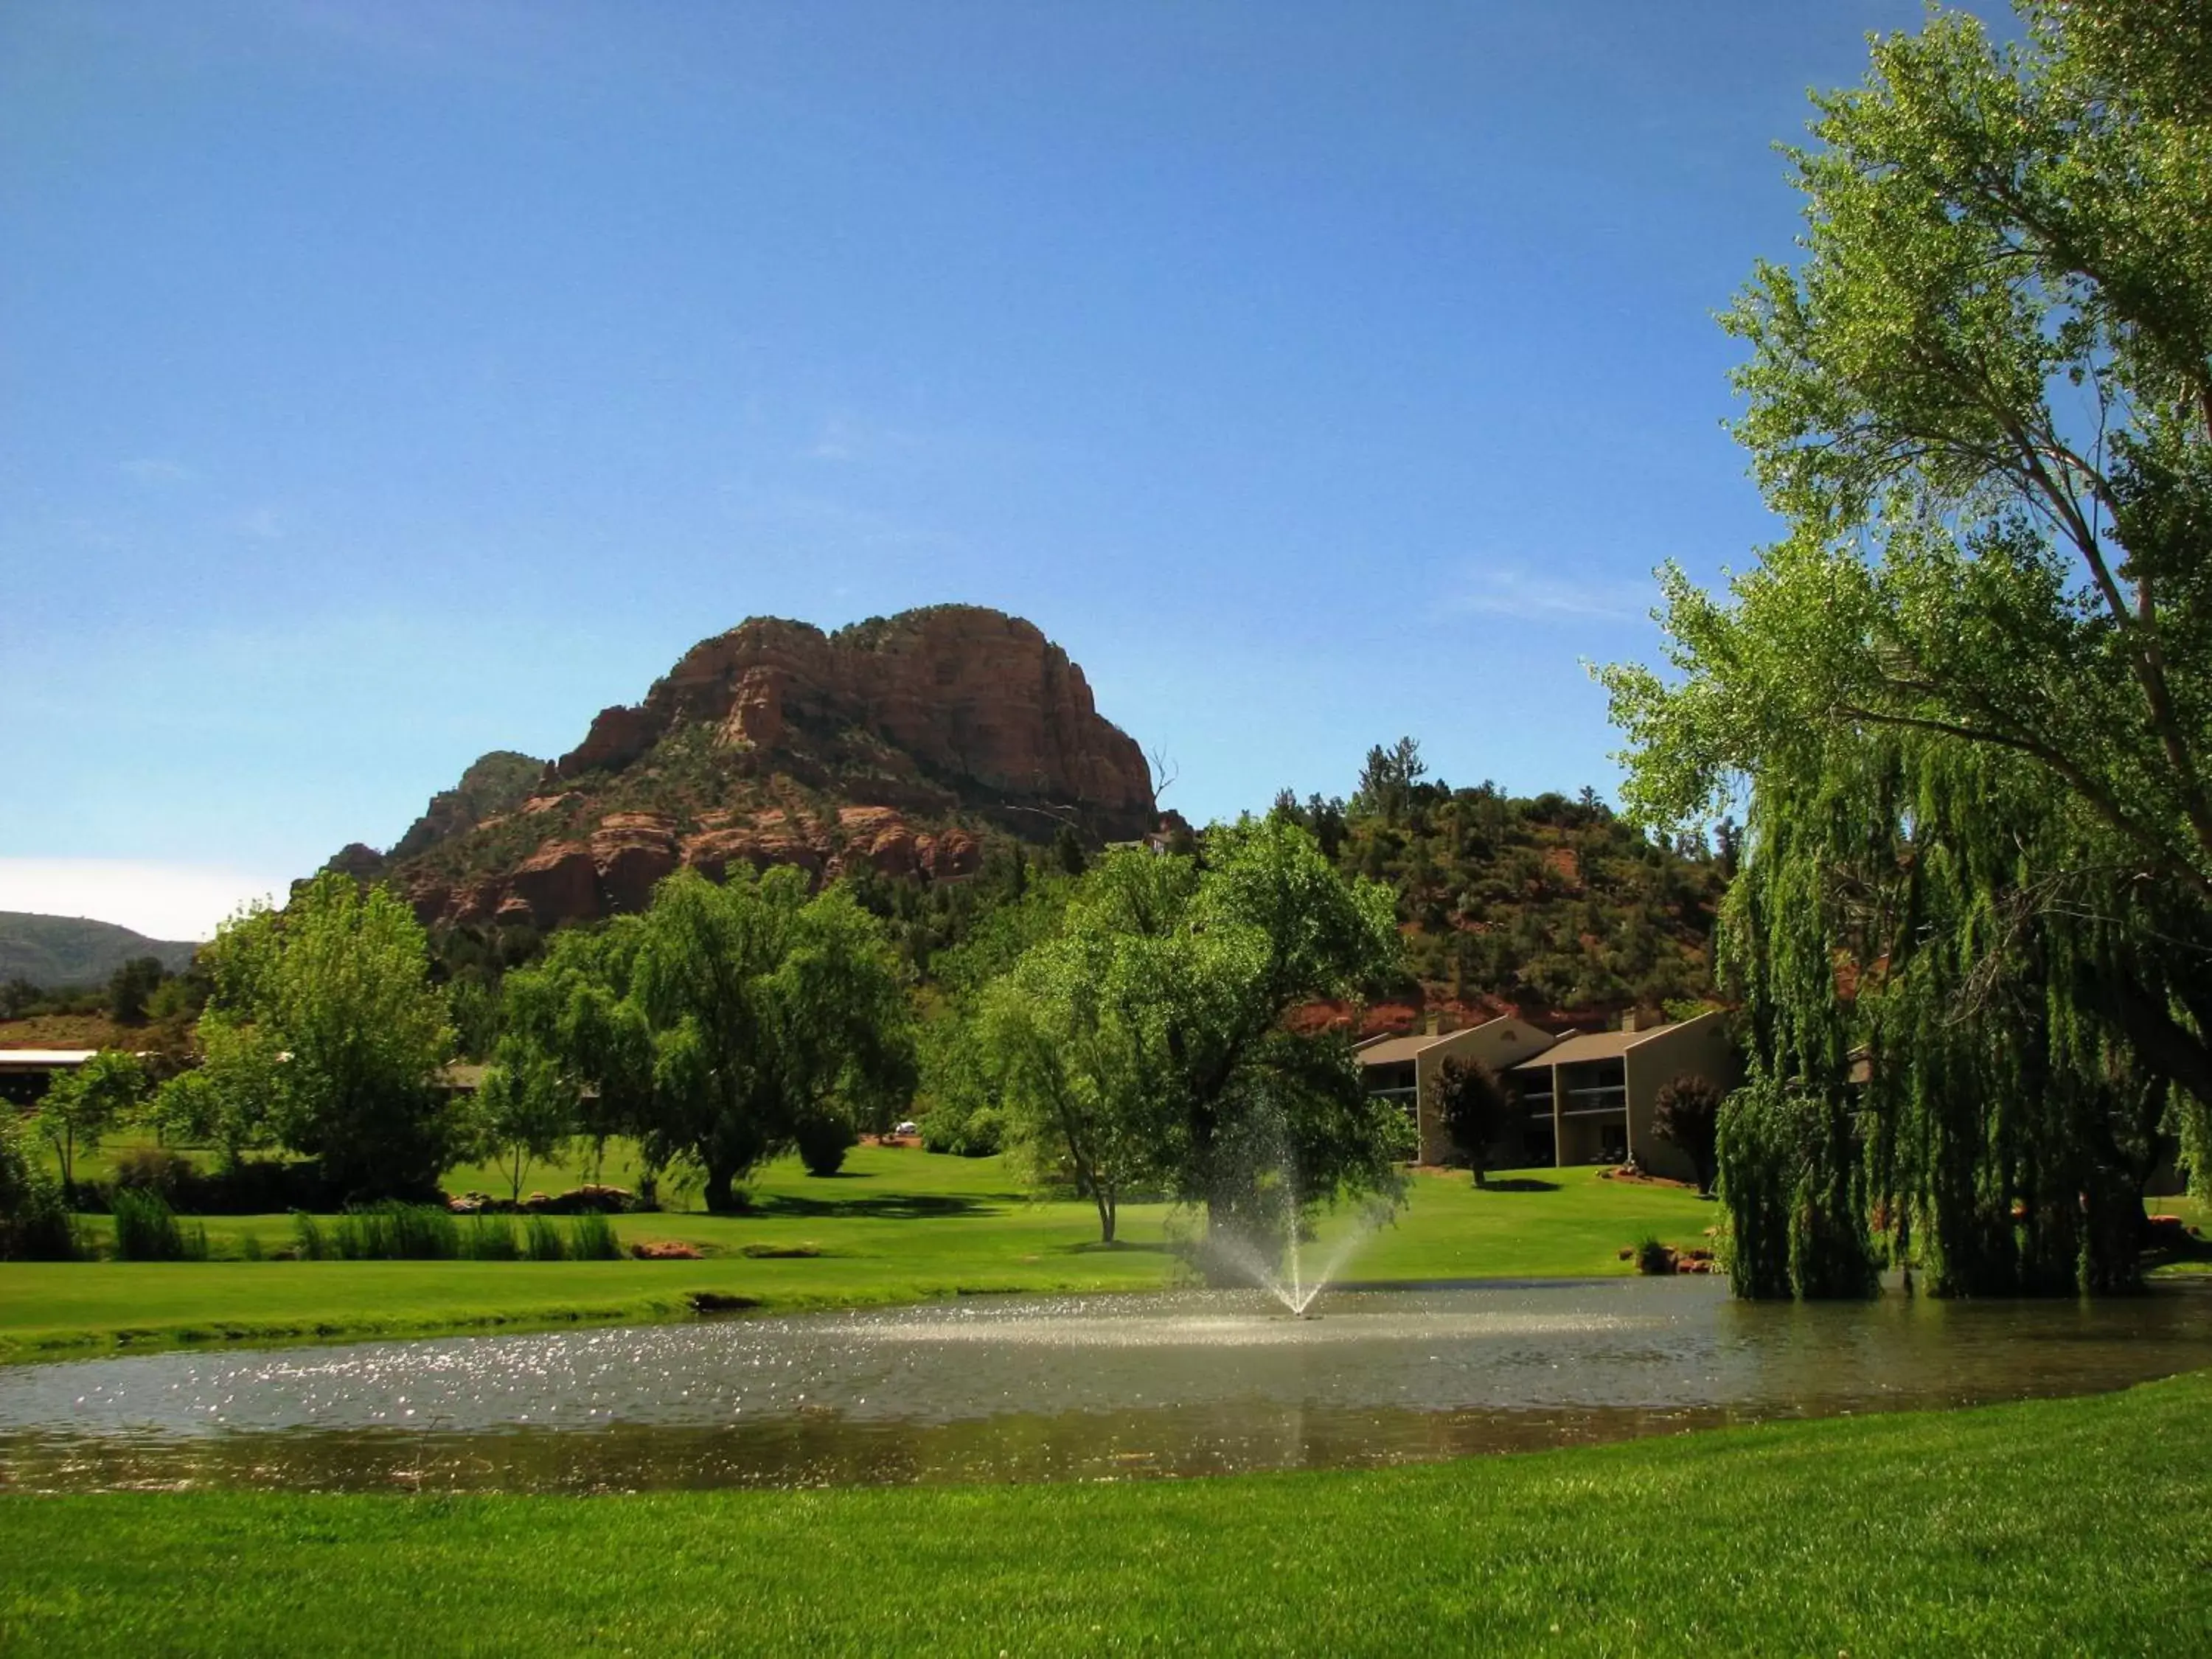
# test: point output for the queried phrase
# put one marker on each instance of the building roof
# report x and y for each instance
(42, 1058)
(1396, 1050)
(1592, 1045)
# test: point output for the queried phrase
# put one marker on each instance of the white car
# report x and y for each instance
(909, 1128)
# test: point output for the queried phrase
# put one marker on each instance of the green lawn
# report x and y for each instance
(2059, 1527)
(899, 1226)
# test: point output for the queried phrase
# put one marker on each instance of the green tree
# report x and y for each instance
(1970, 692)
(79, 1107)
(1477, 1107)
(1388, 778)
(36, 1224)
(1062, 1036)
(1686, 1115)
(1155, 1040)
(526, 1111)
(130, 987)
(229, 1100)
(765, 1012)
(325, 1014)
(567, 1009)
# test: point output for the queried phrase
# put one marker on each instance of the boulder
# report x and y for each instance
(557, 883)
(631, 852)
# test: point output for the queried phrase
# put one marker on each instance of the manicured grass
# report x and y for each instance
(2058, 1526)
(900, 1225)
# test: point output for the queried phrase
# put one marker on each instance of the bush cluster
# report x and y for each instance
(425, 1232)
(147, 1230)
(35, 1224)
(249, 1186)
(979, 1133)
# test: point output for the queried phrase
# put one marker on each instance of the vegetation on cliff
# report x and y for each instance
(1552, 905)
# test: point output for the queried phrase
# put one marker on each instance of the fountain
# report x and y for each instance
(1261, 1201)
(1287, 1280)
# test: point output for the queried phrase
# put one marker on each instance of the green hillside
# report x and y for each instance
(1550, 904)
(52, 951)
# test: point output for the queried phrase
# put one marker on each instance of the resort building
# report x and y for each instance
(1589, 1095)
(25, 1073)
(1598, 1088)
(1401, 1068)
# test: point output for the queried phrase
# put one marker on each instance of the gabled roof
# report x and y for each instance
(1592, 1045)
(1396, 1050)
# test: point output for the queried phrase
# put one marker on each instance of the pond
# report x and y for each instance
(1026, 1388)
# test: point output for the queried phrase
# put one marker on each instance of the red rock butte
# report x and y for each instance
(896, 743)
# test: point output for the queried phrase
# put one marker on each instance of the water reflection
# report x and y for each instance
(1034, 1390)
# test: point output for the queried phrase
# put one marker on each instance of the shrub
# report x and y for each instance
(980, 1133)
(490, 1238)
(155, 1169)
(822, 1143)
(592, 1239)
(1652, 1257)
(146, 1228)
(1688, 1114)
(249, 1248)
(307, 1233)
(542, 1240)
(392, 1231)
(36, 1224)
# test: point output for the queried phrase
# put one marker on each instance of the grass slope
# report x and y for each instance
(901, 1225)
(2058, 1526)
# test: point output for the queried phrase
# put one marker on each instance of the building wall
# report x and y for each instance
(1579, 1138)
(1696, 1048)
(1500, 1044)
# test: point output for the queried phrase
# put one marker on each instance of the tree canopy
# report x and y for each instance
(323, 1033)
(726, 1024)
(1969, 694)
(1145, 1039)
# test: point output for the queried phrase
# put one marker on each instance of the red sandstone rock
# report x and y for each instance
(951, 710)
(966, 692)
(950, 855)
(618, 736)
(631, 852)
(557, 883)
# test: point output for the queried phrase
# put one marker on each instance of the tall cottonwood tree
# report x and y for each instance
(1148, 1035)
(1970, 691)
(324, 1033)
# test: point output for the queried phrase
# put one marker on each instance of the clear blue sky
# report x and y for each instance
(384, 382)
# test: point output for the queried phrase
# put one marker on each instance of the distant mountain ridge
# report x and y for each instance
(54, 952)
(899, 743)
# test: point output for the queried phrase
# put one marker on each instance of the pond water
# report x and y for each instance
(1022, 1389)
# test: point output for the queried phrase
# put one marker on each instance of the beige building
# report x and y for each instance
(1590, 1095)
(1600, 1088)
(1401, 1068)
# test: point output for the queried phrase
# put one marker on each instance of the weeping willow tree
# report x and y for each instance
(1935, 981)
(1969, 695)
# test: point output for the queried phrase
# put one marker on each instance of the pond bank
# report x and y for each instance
(2065, 1526)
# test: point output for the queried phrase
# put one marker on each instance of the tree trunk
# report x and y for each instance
(1104, 1200)
(720, 1179)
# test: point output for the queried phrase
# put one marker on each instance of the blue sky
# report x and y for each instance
(383, 382)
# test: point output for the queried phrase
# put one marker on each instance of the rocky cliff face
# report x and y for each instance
(969, 696)
(897, 744)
